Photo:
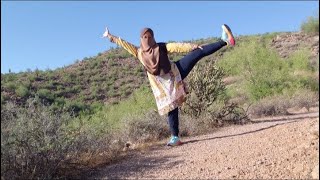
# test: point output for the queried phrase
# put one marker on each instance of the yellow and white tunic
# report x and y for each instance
(168, 89)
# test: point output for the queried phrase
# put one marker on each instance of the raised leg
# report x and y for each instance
(186, 64)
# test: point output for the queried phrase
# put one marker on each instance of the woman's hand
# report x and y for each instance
(196, 46)
(106, 33)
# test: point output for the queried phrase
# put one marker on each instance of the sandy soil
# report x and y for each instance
(274, 148)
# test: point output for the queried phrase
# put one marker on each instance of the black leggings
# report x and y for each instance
(185, 65)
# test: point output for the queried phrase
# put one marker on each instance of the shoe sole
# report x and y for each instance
(178, 144)
(228, 31)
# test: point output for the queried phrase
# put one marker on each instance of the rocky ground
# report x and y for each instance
(274, 148)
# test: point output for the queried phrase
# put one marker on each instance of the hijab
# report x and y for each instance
(154, 56)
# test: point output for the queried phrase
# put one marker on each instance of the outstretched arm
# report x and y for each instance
(132, 49)
(181, 47)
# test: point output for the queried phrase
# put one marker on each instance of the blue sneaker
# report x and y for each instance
(227, 35)
(174, 141)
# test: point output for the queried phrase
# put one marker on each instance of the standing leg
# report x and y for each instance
(186, 64)
(173, 120)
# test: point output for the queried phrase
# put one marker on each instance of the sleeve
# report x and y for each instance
(132, 49)
(180, 47)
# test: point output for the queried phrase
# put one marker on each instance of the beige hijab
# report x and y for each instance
(154, 57)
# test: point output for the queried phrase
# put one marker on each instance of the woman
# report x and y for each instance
(166, 77)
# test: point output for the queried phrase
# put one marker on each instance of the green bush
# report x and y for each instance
(262, 69)
(11, 86)
(77, 107)
(311, 25)
(3, 99)
(9, 77)
(207, 98)
(22, 91)
(205, 86)
(299, 60)
(46, 95)
(110, 116)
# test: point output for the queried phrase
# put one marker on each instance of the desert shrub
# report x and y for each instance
(37, 143)
(46, 95)
(33, 144)
(304, 98)
(263, 71)
(60, 101)
(279, 104)
(311, 25)
(151, 127)
(205, 85)
(207, 98)
(11, 86)
(22, 91)
(144, 128)
(9, 77)
(227, 113)
(299, 60)
(3, 98)
(314, 63)
(77, 107)
(110, 116)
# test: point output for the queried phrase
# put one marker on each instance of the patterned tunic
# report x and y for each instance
(168, 89)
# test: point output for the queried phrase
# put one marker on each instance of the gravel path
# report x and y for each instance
(277, 148)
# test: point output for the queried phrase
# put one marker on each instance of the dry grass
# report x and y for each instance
(279, 104)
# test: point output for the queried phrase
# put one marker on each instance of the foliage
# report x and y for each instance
(205, 85)
(311, 25)
(38, 143)
(279, 104)
(263, 72)
(111, 115)
(145, 128)
(33, 142)
(22, 91)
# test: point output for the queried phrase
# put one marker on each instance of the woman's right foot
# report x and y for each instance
(174, 141)
(227, 35)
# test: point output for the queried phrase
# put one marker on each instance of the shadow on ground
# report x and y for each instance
(283, 119)
(240, 134)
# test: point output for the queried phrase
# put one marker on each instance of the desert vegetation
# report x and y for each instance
(55, 123)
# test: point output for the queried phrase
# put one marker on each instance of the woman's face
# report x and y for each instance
(147, 37)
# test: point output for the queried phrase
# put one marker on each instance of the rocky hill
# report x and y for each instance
(113, 75)
(287, 43)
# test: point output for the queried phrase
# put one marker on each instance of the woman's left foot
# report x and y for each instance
(227, 35)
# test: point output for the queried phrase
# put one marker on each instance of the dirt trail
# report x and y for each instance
(276, 148)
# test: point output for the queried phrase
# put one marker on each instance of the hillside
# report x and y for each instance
(105, 79)
(113, 75)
